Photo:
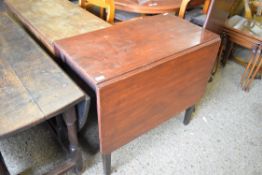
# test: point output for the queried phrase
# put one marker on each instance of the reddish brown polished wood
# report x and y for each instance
(141, 78)
(151, 6)
(217, 17)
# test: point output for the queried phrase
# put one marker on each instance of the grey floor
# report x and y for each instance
(224, 138)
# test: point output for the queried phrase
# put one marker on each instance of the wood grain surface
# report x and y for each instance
(32, 87)
(242, 38)
(143, 71)
(152, 6)
(51, 20)
(136, 104)
(110, 53)
(218, 15)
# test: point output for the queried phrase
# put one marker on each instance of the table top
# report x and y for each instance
(54, 19)
(143, 71)
(111, 53)
(151, 6)
(32, 87)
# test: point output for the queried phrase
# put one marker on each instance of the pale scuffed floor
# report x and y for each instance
(225, 137)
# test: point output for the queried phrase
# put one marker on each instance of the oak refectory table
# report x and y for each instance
(143, 72)
(50, 20)
(33, 89)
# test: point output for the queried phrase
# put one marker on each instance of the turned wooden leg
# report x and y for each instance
(74, 150)
(106, 163)
(61, 130)
(228, 52)
(188, 114)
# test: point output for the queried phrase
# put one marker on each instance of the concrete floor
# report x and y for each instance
(224, 138)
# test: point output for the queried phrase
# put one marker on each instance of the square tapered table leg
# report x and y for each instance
(106, 158)
(188, 114)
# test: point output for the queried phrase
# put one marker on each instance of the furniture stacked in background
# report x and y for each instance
(242, 35)
(216, 17)
(34, 90)
(236, 30)
(123, 10)
(212, 17)
(138, 82)
(245, 32)
(258, 5)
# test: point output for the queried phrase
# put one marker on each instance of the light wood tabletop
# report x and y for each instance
(54, 19)
(34, 89)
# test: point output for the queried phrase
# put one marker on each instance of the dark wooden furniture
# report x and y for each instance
(54, 19)
(232, 36)
(244, 38)
(139, 82)
(237, 36)
(33, 89)
(215, 20)
(218, 15)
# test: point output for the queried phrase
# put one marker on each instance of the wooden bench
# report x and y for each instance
(51, 20)
(143, 72)
(33, 89)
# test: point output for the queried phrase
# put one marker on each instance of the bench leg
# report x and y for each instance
(188, 114)
(106, 163)
(75, 152)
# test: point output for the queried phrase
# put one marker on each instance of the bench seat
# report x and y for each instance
(33, 89)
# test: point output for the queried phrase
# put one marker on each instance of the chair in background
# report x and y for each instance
(212, 17)
(196, 15)
(104, 5)
(215, 22)
(108, 6)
